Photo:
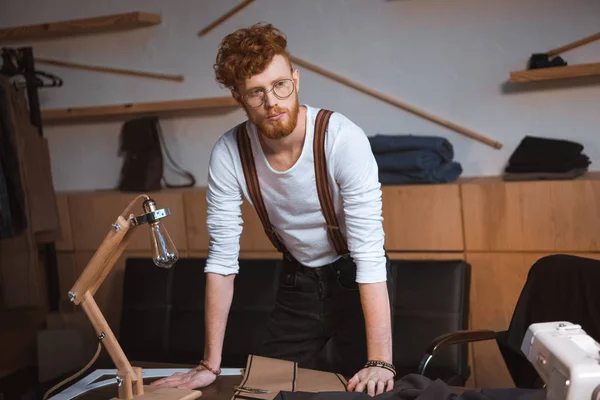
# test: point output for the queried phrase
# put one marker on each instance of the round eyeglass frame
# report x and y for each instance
(264, 95)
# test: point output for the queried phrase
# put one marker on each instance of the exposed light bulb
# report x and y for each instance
(164, 253)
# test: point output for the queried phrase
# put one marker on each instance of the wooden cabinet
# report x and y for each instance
(532, 216)
(422, 218)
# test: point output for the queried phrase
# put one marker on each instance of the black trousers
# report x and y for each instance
(318, 319)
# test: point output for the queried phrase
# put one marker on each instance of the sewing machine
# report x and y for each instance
(566, 358)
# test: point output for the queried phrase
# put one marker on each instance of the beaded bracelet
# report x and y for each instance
(381, 364)
(217, 372)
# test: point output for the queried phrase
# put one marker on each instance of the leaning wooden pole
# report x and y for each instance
(450, 125)
(119, 71)
(224, 17)
(574, 45)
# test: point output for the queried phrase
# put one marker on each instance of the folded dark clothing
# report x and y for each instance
(397, 143)
(538, 176)
(418, 387)
(578, 161)
(538, 150)
(408, 160)
(444, 173)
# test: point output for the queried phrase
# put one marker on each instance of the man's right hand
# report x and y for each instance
(198, 377)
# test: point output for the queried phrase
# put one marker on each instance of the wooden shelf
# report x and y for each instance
(162, 108)
(106, 23)
(543, 74)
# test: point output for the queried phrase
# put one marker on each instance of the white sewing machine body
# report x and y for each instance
(566, 358)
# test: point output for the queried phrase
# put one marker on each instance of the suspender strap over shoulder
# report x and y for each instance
(245, 150)
(327, 207)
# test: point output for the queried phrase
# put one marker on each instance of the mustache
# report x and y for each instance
(277, 110)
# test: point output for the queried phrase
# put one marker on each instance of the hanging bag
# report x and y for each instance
(141, 146)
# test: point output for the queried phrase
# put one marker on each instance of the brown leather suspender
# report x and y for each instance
(327, 207)
(245, 150)
(333, 228)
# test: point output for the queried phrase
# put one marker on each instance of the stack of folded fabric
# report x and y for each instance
(539, 158)
(409, 159)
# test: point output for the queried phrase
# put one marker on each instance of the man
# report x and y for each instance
(321, 294)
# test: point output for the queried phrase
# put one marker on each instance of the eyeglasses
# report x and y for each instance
(282, 89)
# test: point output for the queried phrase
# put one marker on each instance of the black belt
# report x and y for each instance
(328, 270)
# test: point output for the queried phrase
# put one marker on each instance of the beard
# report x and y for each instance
(280, 128)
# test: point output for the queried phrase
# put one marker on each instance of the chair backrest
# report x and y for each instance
(559, 287)
(163, 310)
(432, 298)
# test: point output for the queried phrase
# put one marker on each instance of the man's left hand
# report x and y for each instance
(376, 380)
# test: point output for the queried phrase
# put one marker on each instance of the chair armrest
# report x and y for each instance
(452, 338)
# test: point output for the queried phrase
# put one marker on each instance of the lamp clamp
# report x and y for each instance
(151, 217)
(151, 213)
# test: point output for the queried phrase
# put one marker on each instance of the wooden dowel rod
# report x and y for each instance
(110, 70)
(398, 103)
(573, 45)
(117, 252)
(109, 342)
(126, 388)
(224, 17)
(138, 389)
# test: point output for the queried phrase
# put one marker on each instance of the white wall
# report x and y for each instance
(450, 57)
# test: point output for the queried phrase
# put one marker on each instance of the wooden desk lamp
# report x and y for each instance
(129, 378)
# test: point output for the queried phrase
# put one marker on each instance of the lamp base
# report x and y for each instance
(157, 393)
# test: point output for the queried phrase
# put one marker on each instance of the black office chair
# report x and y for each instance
(431, 298)
(558, 288)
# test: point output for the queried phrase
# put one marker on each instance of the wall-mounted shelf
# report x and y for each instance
(543, 74)
(101, 24)
(161, 108)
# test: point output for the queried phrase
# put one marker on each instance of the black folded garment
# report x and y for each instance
(538, 158)
(538, 150)
(580, 161)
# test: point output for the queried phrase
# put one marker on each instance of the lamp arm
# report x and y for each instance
(105, 256)
(109, 341)
(97, 269)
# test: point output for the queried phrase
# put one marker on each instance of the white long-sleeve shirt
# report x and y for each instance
(292, 201)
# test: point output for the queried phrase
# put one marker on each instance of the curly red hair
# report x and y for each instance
(247, 52)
